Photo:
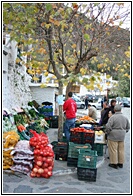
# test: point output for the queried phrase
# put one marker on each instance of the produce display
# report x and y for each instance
(8, 125)
(81, 129)
(10, 139)
(43, 155)
(22, 157)
(26, 146)
(85, 119)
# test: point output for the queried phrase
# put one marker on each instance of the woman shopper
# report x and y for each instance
(92, 112)
(107, 108)
(116, 128)
(70, 109)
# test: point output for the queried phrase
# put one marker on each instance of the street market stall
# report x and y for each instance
(31, 153)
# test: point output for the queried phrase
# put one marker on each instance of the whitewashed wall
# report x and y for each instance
(41, 95)
(16, 91)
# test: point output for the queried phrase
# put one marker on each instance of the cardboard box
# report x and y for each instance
(99, 137)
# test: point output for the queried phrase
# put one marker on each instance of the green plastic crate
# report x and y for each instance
(73, 149)
(99, 149)
(87, 158)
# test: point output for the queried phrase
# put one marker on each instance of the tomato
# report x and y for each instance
(50, 168)
(36, 151)
(41, 152)
(49, 161)
(43, 142)
(36, 166)
(39, 158)
(50, 173)
(39, 163)
(37, 146)
(44, 154)
(45, 170)
(45, 175)
(51, 154)
(44, 159)
(38, 175)
(45, 165)
(32, 174)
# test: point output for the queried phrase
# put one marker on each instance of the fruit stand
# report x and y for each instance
(26, 147)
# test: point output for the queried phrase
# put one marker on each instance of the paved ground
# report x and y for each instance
(64, 179)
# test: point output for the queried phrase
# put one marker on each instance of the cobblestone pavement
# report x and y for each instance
(65, 180)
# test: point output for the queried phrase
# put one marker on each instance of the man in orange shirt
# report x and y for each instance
(70, 109)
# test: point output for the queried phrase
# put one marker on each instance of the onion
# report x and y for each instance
(40, 170)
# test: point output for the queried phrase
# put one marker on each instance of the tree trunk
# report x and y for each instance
(68, 88)
(61, 116)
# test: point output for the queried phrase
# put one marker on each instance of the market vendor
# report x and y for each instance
(70, 109)
(92, 112)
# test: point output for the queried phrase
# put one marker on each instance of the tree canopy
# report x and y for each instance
(68, 39)
(65, 37)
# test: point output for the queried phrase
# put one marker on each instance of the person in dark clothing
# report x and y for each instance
(105, 115)
(104, 99)
(86, 103)
(112, 103)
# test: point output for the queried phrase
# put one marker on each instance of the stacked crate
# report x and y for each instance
(60, 150)
(54, 121)
(47, 110)
(86, 167)
(73, 151)
(100, 140)
(82, 137)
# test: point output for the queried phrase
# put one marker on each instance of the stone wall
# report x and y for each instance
(16, 91)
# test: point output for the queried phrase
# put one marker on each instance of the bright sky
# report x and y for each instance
(127, 6)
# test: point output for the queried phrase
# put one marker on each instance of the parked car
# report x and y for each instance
(97, 104)
(80, 104)
(119, 100)
(90, 97)
(126, 101)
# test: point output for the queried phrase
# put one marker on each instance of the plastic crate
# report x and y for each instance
(87, 174)
(61, 156)
(76, 134)
(82, 137)
(99, 149)
(77, 140)
(60, 147)
(76, 137)
(60, 150)
(72, 162)
(87, 158)
(54, 124)
(73, 149)
(88, 138)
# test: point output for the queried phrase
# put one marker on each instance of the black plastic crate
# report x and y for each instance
(88, 138)
(54, 124)
(74, 139)
(87, 174)
(60, 147)
(72, 162)
(82, 137)
(54, 118)
(61, 156)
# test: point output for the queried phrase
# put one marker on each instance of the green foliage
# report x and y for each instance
(64, 39)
